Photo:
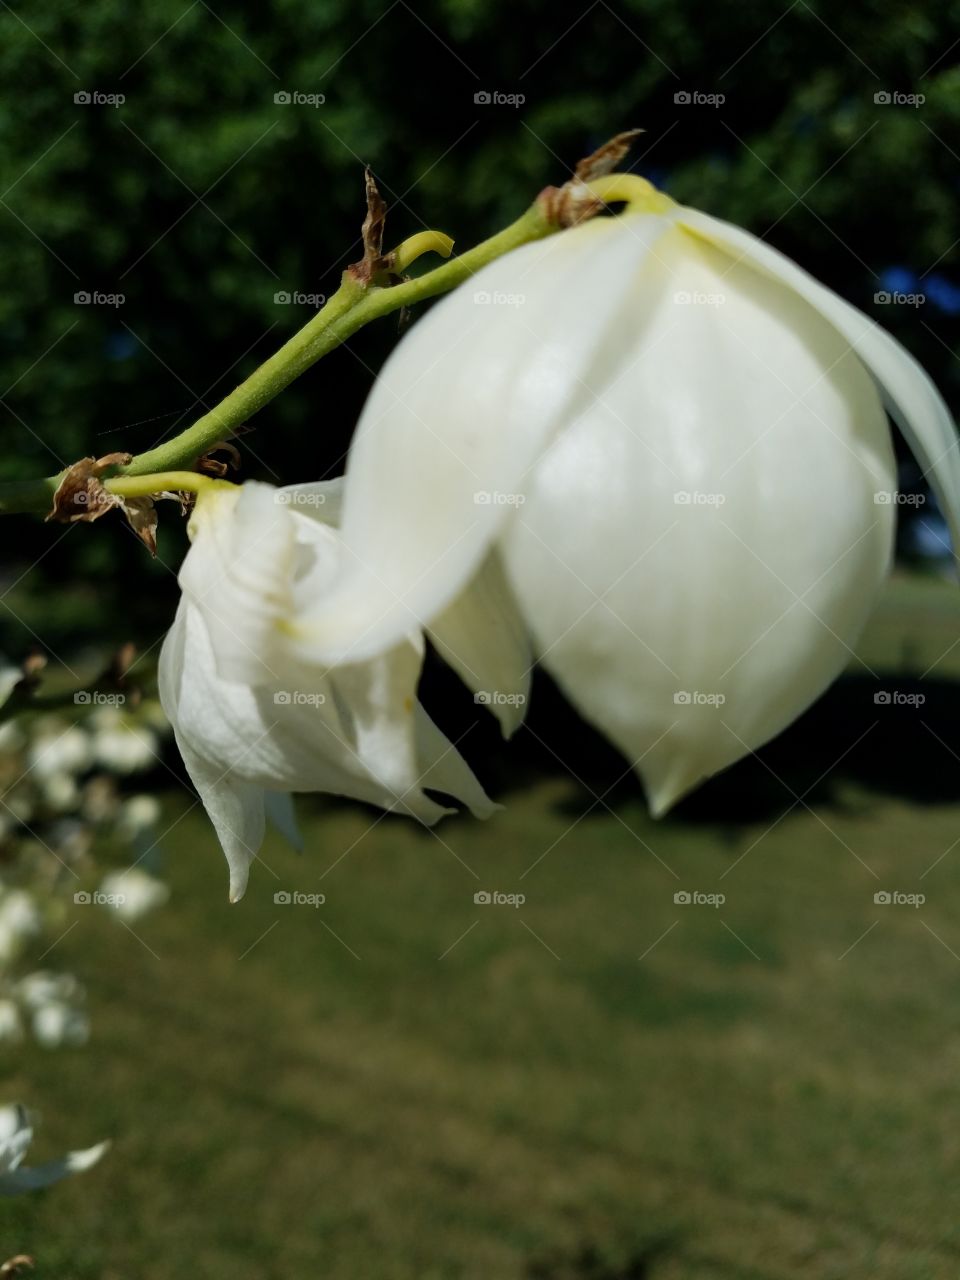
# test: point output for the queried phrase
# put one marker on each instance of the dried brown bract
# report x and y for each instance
(573, 202)
(81, 495)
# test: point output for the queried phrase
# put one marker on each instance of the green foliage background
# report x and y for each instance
(200, 197)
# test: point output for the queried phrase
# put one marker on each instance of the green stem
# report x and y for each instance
(137, 486)
(352, 306)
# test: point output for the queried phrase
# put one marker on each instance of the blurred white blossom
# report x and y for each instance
(20, 919)
(59, 750)
(57, 1024)
(132, 893)
(16, 1134)
(61, 786)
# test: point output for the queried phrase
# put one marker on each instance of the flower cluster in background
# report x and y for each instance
(72, 833)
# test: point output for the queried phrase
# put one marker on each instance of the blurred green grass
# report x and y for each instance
(600, 1083)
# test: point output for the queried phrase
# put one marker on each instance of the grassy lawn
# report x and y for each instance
(598, 1084)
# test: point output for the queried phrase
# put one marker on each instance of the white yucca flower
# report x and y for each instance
(255, 716)
(676, 442)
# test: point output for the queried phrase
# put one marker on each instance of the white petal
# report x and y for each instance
(635, 598)
(43, 1175)
(909, 394)
(397, 744)
(460, 412)
(319, 499)
(236, 809)
(239, 574)
(442, 768)
(352, 733)
(16, 1134)
(483, 637)
(234, 805)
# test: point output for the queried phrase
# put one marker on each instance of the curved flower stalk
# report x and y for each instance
(16, 1134)
(256, 716)
(676, 439)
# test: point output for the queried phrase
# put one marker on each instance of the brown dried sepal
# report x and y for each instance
(573, 203)
(606, 158)
(374, 261)
(81, 495)
(210, 465)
